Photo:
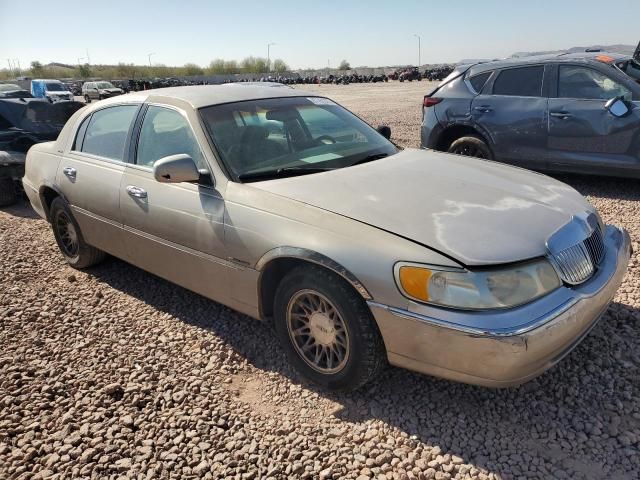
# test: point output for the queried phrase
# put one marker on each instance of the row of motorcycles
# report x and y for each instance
(402, 75)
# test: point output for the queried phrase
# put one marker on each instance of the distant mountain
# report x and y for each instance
(623, 49)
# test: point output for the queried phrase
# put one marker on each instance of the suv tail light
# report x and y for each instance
(430, 101)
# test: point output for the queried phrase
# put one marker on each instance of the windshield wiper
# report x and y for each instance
(370, 158)
(282, 172)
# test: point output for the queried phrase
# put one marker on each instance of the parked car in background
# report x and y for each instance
(52, 90)
(285, 206)
(99, 90)
(25, 121)
(9, 90)
(570, 112)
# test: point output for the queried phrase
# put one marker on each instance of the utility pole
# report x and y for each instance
(269, 56)
(88, 58)
(149, 55)
(419, 60)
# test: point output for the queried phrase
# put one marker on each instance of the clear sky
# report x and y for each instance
(305, 33)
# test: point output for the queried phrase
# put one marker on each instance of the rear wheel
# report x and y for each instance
(75, 250)
(8, 193)
(327, 330)
(471, 146)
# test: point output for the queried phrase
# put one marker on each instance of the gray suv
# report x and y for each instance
(576, 112)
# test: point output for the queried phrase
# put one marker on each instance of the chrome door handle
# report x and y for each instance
(136, 192)
(483, 109)
(70, 172)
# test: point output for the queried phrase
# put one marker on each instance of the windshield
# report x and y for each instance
(286, 136)
(55, 87)
(105, 85)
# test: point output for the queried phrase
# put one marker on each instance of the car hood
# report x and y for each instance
(475, 211)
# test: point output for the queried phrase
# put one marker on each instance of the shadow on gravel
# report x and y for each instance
(600, 186)
(570, 417)
(21, 209)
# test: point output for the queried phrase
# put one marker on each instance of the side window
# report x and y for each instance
(107, 131)
(166, 132)
(478, 81)
(520, 82)
(77, 143)
(586, 83)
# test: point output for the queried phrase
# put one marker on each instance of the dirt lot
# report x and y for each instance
(114, 373)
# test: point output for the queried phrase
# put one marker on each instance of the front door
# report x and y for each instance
(90, 174)
(583, 135)
(174, 230)
(514, 114)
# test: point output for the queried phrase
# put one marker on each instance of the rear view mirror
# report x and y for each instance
(385, 131)
(176, 169)
(617, 107)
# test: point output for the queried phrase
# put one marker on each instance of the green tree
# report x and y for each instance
(279, 66)
(191, 69)
(231, 66)
(37, 69)
(84, 71)
(126, 70)
(216, 67)
(344, 65)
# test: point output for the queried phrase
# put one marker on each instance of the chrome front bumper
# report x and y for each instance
(503, 348)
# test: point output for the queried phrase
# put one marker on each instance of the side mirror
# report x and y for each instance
(385, 131)
(176, 169)
(617, 107)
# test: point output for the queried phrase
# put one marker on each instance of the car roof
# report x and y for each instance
(586, 57)
(198, 96)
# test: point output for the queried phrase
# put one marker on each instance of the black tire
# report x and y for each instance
(471, 146)
(80, 255)
(366, 355)
(8, 193)
(87, 99)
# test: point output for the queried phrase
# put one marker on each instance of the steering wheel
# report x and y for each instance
(329, 139)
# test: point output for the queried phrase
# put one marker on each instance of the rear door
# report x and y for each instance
(90, 173)
(512, 110)
(583, 135)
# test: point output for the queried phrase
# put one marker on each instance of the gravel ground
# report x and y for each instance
(114, 373)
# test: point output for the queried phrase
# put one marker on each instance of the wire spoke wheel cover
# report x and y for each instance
(317, 331)
(67, 234)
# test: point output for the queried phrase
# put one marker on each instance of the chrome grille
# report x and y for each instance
(577, 263)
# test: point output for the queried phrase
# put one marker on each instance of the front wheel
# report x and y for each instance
(471, 146)
(327, 330)
(77, 252)
(87, 99)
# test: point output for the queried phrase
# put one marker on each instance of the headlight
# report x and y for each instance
(479, 289)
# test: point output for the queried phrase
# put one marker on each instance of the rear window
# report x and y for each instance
(478, 81)
(107, 131)
(520, 82)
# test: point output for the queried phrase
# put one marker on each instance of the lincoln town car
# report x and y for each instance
(284, 206)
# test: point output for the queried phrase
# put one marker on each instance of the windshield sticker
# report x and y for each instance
(320, 101)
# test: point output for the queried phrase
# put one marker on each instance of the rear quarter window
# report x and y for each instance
(477, 82)
(520, 82)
